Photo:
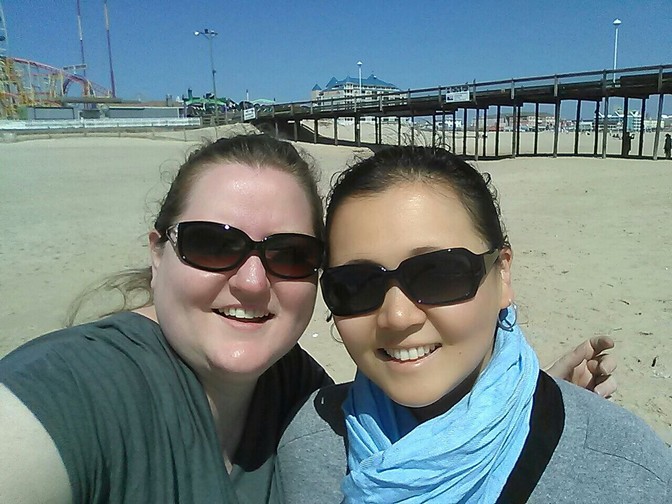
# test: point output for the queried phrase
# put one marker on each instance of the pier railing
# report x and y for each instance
(634, 82)
(445, 101)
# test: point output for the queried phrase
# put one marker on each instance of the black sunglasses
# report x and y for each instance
(211, 246)
(436, 278)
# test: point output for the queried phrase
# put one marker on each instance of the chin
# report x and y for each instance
(411, 398)
(422, 394)
(244, 363)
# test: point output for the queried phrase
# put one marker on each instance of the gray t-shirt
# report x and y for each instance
(132, 423)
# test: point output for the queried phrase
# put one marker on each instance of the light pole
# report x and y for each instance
(109, 49)
(617, 23)
(81, 37)
(359, 64)
(210, 34)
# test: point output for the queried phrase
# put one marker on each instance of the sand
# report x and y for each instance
(590, 236)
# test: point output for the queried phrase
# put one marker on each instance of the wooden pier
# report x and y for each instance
(476, 100)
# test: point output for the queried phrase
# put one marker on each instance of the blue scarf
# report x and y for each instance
(462, 456)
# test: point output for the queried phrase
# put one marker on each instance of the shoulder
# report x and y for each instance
(605, 453)
(289, 381)
(611, 429)
(320, 413)
(96, 374)
(112, 349)
(122, 330)
(311, 459)
(87, 384)
(98, 370)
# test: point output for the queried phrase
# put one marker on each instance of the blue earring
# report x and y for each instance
(503, 321)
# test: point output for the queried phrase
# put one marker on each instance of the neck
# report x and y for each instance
(229, 403)
(148, 311)
(447, 401)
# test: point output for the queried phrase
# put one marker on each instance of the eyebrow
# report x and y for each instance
(361, 261)
(426, 249)
(411, 253)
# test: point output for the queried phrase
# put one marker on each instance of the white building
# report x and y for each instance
(342, 93)
(350, 87)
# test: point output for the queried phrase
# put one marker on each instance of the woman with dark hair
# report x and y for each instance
(449, 403)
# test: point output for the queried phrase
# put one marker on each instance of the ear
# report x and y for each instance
(155, 251)
(505, 260)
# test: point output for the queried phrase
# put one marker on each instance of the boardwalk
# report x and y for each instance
(464, 114)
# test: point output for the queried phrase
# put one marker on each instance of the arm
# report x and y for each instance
(588, 366)
(31, 469)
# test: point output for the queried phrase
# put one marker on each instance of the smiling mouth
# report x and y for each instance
(244, 315)
(408, 354)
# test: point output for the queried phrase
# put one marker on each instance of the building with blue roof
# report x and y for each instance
(350, 87)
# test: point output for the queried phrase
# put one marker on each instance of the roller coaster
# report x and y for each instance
(25, 83)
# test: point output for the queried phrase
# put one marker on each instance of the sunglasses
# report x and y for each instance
(436, 278)
(211, 246)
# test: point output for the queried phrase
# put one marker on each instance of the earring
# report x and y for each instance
(334, 336)
(503, 321)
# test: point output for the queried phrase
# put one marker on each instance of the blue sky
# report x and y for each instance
(281, 49)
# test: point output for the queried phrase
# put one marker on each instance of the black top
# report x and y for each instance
(132, 423)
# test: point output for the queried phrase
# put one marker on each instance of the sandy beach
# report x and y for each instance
(590, 240)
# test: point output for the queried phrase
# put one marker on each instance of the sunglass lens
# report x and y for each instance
(293, 255)
(354, 289)
(211, 246)
(439, 277)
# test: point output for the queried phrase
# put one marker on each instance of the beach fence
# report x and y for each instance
(11, 129)
(596, 113)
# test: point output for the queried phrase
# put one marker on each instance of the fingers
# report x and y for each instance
(601, 343)
(602, 366)
(567, 365)
(602, 381)
(591, 348)
(607, 388)
(588, 367)
(564, 367)
(607, 364)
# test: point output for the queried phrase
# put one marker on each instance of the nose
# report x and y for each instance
(398, 312)
(250, 278)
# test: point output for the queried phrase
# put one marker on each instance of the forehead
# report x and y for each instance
(260, 200)
(401, 221)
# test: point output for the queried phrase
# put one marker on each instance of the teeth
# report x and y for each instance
(243, 313)
(406, 354)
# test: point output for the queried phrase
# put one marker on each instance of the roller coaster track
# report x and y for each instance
(30, 83)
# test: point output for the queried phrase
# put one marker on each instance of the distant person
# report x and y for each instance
(627, 144)
(668, 146)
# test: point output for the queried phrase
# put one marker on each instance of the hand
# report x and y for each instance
(588, 366)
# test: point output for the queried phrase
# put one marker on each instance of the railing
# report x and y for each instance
(605, 79)
(78, 124)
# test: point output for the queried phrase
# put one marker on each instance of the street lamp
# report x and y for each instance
(617, 23)
(109, 49)
(210, 34)
(359, 64)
